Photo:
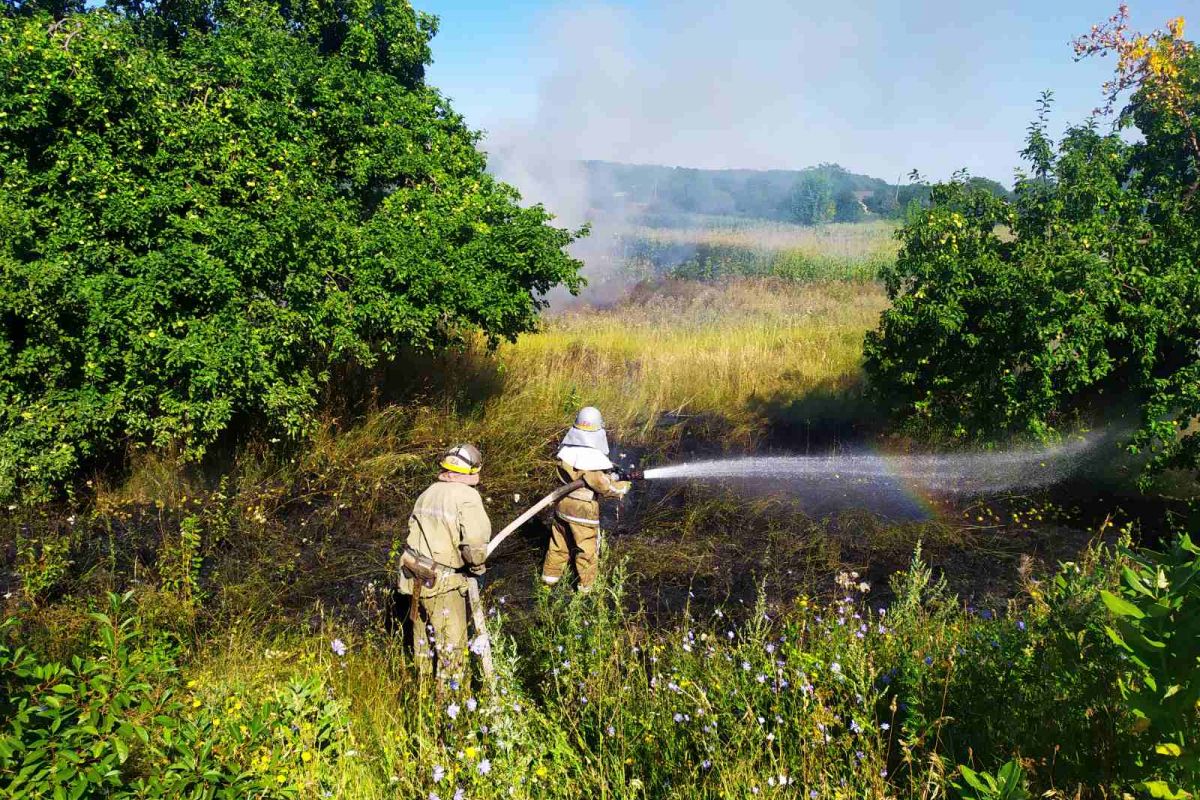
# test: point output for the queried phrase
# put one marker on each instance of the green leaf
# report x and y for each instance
(974, 779)
(1116, 638)
(1010, 776)
(1135, 582)
(1161, 790)
(122, 750)
(1168, 749)
(1120, 606)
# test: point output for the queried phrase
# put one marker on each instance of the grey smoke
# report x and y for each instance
(779, 84)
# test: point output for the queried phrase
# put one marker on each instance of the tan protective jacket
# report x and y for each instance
(449, 525)
(582, 506)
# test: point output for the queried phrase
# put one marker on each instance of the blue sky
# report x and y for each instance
(878, 87)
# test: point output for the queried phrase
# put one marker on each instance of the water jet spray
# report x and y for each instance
(962, 474)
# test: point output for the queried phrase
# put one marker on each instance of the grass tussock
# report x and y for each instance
(692, 350)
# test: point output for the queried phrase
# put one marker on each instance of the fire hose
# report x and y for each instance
(483, 641)
(531, 511)
(557, 494)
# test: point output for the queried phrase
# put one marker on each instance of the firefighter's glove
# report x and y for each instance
(477, 569)
(473, 554)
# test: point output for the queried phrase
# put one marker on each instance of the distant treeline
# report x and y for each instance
(825, 193)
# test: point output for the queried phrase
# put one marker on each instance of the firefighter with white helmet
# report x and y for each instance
(575, 531)
(448, 533)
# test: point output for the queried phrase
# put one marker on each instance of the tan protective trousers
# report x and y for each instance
(569, 539)
(441, 645)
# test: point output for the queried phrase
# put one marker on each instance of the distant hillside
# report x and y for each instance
(825, 193)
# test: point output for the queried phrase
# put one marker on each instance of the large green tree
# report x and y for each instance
(207, 207)
(1008, 315)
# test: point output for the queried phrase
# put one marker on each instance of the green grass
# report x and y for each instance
(837, 698)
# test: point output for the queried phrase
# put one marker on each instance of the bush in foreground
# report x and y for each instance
(821, 700)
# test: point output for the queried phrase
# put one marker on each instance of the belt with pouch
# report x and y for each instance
(425, 573)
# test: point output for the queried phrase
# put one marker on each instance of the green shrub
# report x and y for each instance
(1156, 621)
(115, 722)
(1010, 317)
(69, 730)
(208, 213)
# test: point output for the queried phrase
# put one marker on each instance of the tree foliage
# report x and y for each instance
(208, 207)
(1007, 315)
(847, 207)
(812, 200)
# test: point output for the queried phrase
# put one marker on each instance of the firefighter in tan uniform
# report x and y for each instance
(575, 531)
(448, 532)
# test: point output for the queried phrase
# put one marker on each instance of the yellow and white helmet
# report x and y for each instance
(464, 459)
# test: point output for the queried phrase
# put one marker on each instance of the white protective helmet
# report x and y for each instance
(589, 419)
(464, 459)
(588, 431)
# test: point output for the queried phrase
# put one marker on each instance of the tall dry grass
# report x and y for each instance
(692, 350)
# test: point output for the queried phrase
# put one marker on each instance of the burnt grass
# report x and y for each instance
(297, 551)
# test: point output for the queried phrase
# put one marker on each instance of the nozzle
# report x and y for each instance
(630, 473)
